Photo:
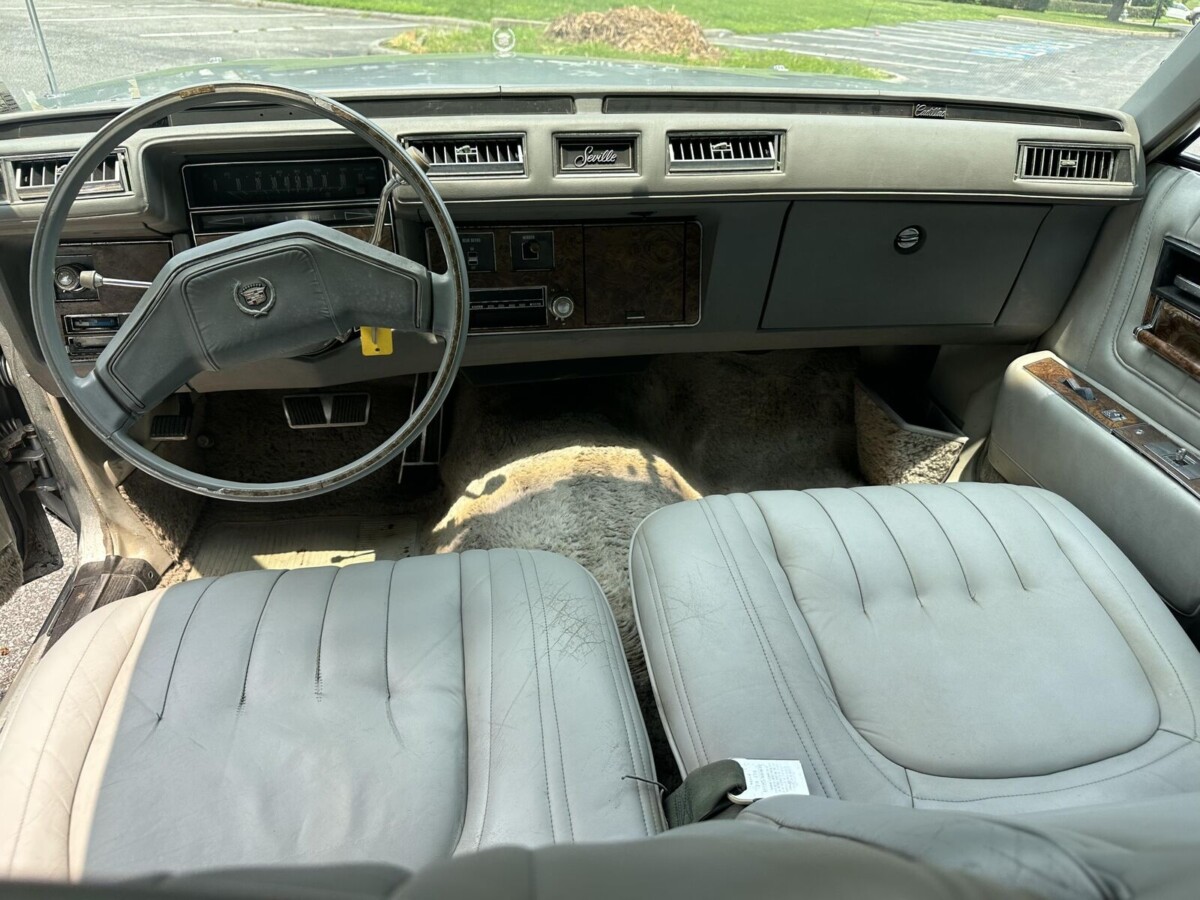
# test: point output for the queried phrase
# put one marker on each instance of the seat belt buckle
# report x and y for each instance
(769, 778)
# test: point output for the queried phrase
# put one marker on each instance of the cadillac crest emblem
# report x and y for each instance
(254, 298)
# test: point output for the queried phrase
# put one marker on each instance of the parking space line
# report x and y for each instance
(979, 39)
(880, 51)
(1022, 36)
(756, 42)
(280, 29)
(946, 48)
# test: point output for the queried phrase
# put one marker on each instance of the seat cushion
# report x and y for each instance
(383, 712)
(919, 645)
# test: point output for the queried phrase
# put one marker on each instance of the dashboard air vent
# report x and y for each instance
(472, 156)
(1059, 162)
(730, 152)
(34, 178)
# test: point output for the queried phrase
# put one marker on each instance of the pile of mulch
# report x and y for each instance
(636, 29)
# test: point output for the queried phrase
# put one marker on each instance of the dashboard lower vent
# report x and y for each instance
(472, 156)
(728, 152)
(1064, 162)
(35, 178)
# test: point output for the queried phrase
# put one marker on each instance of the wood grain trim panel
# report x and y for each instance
(1147, 440)
(1175, 336)
(609, 269)
(1103, 409)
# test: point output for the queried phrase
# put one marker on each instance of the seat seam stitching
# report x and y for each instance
(851, 732)
(321, 632)
(49, 730)
(538, 682)
(912, 800)
(783, 602)
(1125, 590)
(622, 700)
(691, 727)
(254, 640)
(862, 597)
(1072, 787)
(487, 786)
(888, 528)
(387, 640)
(462, 644)
(562, 766)
(179, 648)
(946, 535)
(1003, 544)
(1079, 575)
(735, 568)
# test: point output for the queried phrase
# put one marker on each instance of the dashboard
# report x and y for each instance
(616, 223)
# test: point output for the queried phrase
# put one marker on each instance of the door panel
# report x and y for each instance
(1096, 333)
(1045, 433)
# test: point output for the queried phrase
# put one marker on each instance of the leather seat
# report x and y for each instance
(956, 646)
(386, 712)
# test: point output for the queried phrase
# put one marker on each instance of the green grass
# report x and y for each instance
(745, 16)
(531, 40)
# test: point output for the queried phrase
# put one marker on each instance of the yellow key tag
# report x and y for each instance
(376, 341)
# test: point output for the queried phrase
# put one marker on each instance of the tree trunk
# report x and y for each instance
(1114, 11)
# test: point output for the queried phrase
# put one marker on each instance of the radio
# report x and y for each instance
(508, 307)
(564, 277)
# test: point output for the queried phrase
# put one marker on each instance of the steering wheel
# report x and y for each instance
(271, 293)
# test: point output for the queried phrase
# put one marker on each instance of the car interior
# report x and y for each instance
(596, 491)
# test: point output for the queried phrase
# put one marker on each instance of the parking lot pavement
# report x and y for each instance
(1000, 58)
(96, 40)
(21, 617)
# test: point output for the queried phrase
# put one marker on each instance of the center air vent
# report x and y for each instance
(472, 156)
(742, 151)
(1059, 162)
(34, 178)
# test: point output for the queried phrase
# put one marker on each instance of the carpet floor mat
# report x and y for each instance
(242, 546)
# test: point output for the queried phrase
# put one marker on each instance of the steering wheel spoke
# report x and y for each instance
(272, 293)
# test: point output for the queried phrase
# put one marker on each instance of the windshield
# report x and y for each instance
(66, 52)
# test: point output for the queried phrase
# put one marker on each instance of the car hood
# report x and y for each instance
(402, 73)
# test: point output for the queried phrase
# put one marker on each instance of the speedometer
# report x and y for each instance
(283, 183)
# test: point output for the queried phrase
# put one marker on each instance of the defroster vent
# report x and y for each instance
(725, 152)
(472, 156)
(35, 177)
(1063, 162)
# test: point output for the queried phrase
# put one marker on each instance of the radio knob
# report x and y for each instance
(562, 307)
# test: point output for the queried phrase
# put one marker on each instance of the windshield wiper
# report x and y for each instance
(41, 42)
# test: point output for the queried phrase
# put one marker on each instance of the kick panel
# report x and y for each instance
(561, 277)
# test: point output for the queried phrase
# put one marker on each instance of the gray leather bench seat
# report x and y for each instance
(956, 646)
(385, 712)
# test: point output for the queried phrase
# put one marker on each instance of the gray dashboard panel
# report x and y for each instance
(844, 163)
(840, 264)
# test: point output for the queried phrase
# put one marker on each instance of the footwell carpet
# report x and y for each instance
(240, 546)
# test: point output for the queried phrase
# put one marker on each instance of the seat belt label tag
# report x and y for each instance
(770, 778)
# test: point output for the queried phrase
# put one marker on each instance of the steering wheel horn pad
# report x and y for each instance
(271, 293)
